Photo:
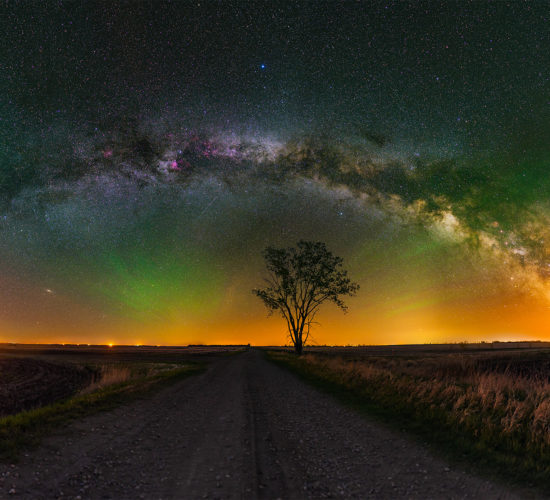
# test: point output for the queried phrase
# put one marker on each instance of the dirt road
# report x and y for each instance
(243, 429)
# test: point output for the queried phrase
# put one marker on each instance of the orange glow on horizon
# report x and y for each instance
(492, 319)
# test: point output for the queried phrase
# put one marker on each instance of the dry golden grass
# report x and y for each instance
(499, 405)
(108, 375)
(119, 373)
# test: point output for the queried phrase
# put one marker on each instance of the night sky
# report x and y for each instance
(149, 151)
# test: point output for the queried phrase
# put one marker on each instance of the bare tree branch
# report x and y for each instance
(299, 280)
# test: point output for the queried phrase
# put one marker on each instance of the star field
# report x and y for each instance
(150, 150)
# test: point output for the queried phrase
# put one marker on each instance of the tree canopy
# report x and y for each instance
(299, 280)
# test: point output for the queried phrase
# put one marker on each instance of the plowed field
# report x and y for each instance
(27, 383)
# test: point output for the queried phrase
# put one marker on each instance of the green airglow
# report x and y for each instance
(161, 286)
(166, 283)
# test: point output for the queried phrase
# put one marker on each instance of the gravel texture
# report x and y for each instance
(243, 429)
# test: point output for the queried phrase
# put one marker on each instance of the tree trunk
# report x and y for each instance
(298, 348)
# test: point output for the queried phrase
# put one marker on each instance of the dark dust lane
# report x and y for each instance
(243, 429)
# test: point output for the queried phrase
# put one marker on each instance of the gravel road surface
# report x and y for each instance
(243, 429)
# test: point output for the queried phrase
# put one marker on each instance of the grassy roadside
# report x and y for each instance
(440, 413)
(26, 429)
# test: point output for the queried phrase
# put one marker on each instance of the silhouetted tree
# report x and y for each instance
(299, 281)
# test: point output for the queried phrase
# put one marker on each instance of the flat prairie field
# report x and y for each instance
(34, 375)
(481, 408)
